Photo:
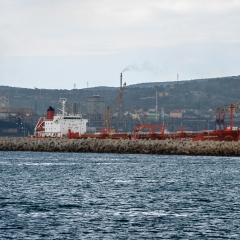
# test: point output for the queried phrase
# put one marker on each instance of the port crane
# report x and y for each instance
(220, 113)
(229, 133)
(110, 110)
(141, 116)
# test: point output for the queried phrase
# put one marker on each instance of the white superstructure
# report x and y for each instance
(59, 125)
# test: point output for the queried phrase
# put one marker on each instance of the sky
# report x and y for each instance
(62, 44)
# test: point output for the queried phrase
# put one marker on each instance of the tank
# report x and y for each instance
(50, 113)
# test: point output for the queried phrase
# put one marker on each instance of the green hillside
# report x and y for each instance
(200, 94)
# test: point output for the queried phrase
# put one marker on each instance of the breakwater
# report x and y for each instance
(207, 148)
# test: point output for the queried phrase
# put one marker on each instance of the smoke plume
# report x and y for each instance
(131, 68)
(144, 67)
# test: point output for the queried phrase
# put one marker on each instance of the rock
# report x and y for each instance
(169, 146)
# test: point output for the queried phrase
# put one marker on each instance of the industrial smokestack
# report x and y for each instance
(120, 113)
(120, 80)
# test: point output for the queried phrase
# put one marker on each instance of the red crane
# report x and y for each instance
(151, 127)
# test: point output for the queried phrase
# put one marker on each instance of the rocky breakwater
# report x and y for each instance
(208, 148)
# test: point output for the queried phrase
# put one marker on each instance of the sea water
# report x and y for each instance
(118, 196)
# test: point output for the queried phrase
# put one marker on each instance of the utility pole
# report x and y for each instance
(199, 103)
(156, 104)
(186, 100)
(23, 124)
(162, 114)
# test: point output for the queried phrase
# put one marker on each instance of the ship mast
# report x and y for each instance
(63, 103)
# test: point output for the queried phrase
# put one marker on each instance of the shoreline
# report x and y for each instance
(164, 147)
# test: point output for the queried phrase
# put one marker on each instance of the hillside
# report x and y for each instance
(194, 94)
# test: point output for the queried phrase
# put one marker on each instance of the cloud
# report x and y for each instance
(190, 61)
(68, 28)
(160, 38)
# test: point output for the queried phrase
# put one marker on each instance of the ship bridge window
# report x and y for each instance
(72, 118)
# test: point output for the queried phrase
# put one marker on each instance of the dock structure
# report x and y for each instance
(122, 146)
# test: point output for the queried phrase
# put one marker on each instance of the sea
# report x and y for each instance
(118, 196)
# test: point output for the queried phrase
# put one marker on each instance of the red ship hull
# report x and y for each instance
(218, 135)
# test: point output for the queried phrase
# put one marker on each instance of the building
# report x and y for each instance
(96, 107)
(75, 108)
(177, 113)
(4, 105)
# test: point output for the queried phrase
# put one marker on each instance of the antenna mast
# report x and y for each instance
(63, 103)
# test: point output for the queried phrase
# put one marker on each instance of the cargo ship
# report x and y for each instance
(228, 134)
(60, 125)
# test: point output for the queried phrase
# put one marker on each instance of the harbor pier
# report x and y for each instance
(123, 146)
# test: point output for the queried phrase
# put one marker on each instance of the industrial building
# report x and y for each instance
(75, 108)
(4, 105)
(96, 108)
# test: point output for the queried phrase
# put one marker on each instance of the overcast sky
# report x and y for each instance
(55, 44)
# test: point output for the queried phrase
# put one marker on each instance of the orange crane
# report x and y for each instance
(110, 110)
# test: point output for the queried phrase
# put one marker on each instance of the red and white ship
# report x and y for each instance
(60, 125)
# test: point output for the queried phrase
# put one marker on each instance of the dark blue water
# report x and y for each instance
(110, 196)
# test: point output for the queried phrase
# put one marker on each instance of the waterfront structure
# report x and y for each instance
(96, 107)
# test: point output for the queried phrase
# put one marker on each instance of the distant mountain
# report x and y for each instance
(192, 94)
(153, 84)
(138, 85)
(100, 88)
(5, 88)
(163, 84)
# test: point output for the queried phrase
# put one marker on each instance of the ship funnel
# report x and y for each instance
(50, 113)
